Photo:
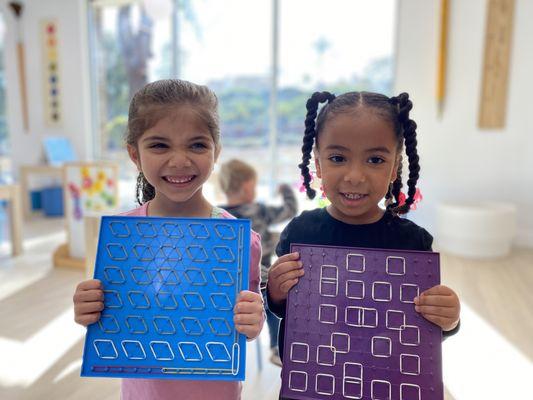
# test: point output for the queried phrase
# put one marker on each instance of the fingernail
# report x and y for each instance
(417, 308)
(416, 300)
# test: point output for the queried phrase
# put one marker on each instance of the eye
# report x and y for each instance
(376, 160)
(199, 146)
(157, 145)
(336, 159)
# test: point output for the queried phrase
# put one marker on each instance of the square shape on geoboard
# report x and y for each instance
(351, 330)
(170, 286)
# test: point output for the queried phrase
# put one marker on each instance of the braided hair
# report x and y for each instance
(395, 110)
(154, 101)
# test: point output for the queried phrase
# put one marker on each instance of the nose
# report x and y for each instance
(355, 174)
(179, 159)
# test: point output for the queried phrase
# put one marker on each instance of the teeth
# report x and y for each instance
(184, 179)
(353, 196)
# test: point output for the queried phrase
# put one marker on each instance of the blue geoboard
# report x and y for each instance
(170, 285)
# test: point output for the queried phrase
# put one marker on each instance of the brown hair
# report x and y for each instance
(154, 101)
(233, 174)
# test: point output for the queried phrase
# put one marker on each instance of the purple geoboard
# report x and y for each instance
(352, 331)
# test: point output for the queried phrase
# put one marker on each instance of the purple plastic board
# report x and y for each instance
(352, 331)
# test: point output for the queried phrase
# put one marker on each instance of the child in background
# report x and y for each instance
(173, 137)
(358, 141)
(238, 181)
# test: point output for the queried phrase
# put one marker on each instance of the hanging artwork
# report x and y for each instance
(442, 56)
(18, 8)
(51, 77)
(89, 188)
(498, 38)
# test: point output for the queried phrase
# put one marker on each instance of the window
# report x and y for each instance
(5, 165)
(262, 58)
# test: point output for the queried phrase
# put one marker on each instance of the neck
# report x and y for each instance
(370, 217)
(196, 206)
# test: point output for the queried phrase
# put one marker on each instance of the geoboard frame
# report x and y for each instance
(351, 329)
(170, 285)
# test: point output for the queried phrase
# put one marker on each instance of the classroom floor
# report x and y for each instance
(40, 346)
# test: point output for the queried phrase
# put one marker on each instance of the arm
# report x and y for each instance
(283, 274)
(439, 304)
(249, 313)
(274, 215)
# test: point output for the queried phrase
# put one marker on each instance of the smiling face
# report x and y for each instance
(357, 159)
(176, 156)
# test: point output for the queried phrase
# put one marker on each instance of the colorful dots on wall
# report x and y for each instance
(51, 78)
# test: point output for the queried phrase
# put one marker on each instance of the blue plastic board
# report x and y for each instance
(58, 150)
(170, 285)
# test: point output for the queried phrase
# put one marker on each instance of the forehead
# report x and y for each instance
(362, 129)
(180, 123)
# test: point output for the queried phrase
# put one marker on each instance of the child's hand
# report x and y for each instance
(283, 275)
(248, 312)
(439, 305)
(88, 302)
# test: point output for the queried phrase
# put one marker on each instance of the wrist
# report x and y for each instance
(273, 298)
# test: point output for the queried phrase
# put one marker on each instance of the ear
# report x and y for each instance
(317, 164)
(134, 156)
(218, 147)
(394, 174)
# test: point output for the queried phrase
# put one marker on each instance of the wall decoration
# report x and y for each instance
(88, 188)
(498, 38)
(51, 77)
(443, 55)
(17, 10)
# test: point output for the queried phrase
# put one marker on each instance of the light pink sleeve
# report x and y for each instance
(255, 270)
(255, 262)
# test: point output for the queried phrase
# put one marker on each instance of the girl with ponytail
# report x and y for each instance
(173, 137)
(358, 141)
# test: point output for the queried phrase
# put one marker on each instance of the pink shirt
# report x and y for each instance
(161, 389)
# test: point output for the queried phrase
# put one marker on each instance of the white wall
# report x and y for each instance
(459, 161)
(71, 18)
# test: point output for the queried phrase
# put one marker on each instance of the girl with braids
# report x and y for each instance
(173, 137)
(357, 140)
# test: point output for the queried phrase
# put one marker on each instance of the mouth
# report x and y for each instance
(351, 199)
(353, 196)
(179, 179)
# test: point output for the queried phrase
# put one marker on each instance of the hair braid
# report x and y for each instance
(396, 188)
(144, 191)
(309, 137)
(409, 133)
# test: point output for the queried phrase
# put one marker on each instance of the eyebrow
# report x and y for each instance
(337, 147)
(371, 150)
(200, 137)
(378, 149)
(160, 138)
(165, 139)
